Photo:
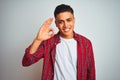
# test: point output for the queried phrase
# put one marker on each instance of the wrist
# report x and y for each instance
(38, 39)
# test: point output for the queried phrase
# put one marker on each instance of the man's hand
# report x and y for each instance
(45, 32)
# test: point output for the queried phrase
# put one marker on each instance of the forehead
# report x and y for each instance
(64, 16)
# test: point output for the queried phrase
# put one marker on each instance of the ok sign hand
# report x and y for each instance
(45, 32)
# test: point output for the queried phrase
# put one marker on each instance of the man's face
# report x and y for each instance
(65, 23)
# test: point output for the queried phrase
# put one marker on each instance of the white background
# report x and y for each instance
(98, 20)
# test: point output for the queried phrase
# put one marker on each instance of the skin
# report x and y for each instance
(65, 23)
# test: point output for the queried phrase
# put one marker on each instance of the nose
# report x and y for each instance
(65, 24)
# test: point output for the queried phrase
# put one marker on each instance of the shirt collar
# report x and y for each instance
(75, 37)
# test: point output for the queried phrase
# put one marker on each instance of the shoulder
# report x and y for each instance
(82, 39)
(52, 40)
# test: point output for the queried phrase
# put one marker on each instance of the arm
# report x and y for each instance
(36, 50)
(29, 58)
(91, 63)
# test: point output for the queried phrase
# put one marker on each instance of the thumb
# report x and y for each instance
(51, 32)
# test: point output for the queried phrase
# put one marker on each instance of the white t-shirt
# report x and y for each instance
(66, 60)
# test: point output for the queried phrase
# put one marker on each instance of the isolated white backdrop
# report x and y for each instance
(98, 20)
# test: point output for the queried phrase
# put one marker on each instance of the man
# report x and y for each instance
(67, 55)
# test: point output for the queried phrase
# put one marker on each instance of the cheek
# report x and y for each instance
(72, 24)
(60, 26)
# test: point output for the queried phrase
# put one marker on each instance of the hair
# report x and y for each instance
(62, 8)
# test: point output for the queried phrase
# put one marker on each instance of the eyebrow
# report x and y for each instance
(63, 20)
(69, 18)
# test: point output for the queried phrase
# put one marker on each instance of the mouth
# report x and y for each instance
(66, 29)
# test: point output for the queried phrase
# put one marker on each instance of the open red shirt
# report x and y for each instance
(47, 50)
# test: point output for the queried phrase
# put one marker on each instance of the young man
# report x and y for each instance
(67, 55)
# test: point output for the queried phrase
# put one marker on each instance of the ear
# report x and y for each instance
(74, 19)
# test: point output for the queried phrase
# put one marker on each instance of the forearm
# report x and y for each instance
(36, 50)
(32, 53)
(36, 43)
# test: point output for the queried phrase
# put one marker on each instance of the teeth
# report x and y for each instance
(66, 30)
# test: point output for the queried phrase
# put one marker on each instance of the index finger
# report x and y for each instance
(48, 22)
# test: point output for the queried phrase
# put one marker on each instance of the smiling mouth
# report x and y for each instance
(66, 30)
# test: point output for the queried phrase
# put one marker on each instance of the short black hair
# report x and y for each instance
(63, 8)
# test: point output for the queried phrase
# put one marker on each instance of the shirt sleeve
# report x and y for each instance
(29, 59)
(91, 63)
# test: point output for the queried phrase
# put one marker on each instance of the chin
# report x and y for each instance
(67, 33)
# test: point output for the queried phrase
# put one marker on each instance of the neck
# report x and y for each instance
(67, 36)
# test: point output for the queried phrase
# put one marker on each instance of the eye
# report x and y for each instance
(60, 22)
(68, 20)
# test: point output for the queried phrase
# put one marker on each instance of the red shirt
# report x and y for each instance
(47, 50)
